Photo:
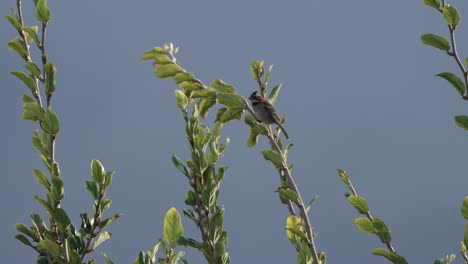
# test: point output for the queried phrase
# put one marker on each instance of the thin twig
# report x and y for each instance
(36, 93)
(96, 221)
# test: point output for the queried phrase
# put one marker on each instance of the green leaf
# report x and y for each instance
(24, 240)
(223, 87)
(310, 203)
(184, 77)
(108, 178)
(168, 70)
(359, 203)
(257, 127)
(382, 230)
(109, 221)
(464, 208)
(205, 106)
(14, 22)
(432, 3)
(42, 11)
(172, 229)
(27, 80)
(393, 257)
(97, 171)
(305, 256)
(289, 194)
(49, 247)
(451, 15)
(31, 34)
(57, 187)
(93, 189)
(105, 204)
(462, 121)
(107, 259)
(274, 93)
(298, 232)
(292, 222)
(435, 41)
(204, 93)
(256, 68)
(61, 219)
(253, 138)
(365, 225)
(190, 198)
(50, 83)
(18, 45)
(33, 112)
(150, 54)
(230, 114)
(274, 157)
(41, 178)
(50, 123)
(343, 176)
(32, 67)
(104, 236)
(233, 101)
(25, 230)
(180, 165)
(190, 86)
(28, 99)
(454, 81)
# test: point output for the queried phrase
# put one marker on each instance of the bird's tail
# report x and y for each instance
(284, 131)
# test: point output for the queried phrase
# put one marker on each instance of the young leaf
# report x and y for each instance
(343, 176)
(454, 81)
(359, 203)
(184, 77)
(292, 222)
(42, 11)
(451, 15)
(49, 84)
(432, 3)
(41, 178)
(33, 112)
(173, 228)
(274, 93)
(168, 70)
(50, 123)
(14, 22)
(435, 41)
(93, 189)
(49, 247)
(382, 230)
(462, 121)
(107, 259)
(61, 218)
(464, 208)
(32, 67)
(232, 101)
(393, 257)
(181, 99)
(180, 165)
(365, 225)
(27, 80)
(274, 157)
(24, 240)
(288, 194)
(102, 237)
(18, 45)
(97, 171)
(25, 230)
(109, 221)
(223, 87)
(31, 34)
(310, 203)
(305, 256)
(253, 138)
(27, 99)
(150, 54)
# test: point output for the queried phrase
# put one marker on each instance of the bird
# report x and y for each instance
(265, 112)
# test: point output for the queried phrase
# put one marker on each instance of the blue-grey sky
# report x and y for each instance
(359, 94)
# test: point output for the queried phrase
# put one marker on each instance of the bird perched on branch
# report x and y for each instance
(265, 112)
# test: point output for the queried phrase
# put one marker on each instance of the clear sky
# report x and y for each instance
(359, 94)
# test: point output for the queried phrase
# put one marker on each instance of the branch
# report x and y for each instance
(293, 186)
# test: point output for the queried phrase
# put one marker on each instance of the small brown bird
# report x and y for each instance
(265, 112)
